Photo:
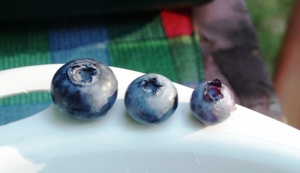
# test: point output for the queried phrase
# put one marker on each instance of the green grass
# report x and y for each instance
(270, 20)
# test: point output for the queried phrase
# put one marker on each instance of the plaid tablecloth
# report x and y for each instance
(159, 41)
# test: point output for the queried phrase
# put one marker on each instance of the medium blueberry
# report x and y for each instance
(84, 89)
(151, 99)
(212, 102)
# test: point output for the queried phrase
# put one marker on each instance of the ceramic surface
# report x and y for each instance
(49, 142)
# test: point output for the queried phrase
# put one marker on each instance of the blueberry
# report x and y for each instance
(151, 99)
(212, 102)
(84, 89)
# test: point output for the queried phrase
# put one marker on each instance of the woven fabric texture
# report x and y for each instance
(154, 42)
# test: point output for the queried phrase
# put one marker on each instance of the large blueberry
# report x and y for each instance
(84, 89)
(151, 99)
(212, 102)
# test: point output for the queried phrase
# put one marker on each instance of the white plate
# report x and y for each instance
(49, 142)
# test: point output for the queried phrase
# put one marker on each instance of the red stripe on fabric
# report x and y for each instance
(177, 22)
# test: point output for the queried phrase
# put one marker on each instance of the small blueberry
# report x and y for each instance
(212, 102)
(84, 89)
(151, 99)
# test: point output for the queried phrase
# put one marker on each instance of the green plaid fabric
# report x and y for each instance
(159, 41)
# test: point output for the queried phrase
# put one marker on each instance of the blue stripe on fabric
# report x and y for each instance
(78, 38)
(96, 51)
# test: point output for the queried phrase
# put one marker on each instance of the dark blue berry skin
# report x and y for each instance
(151, 99)
(84, 89)
(212, 102)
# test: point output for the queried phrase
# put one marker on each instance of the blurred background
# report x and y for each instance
(270, 21)
(277, 26)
